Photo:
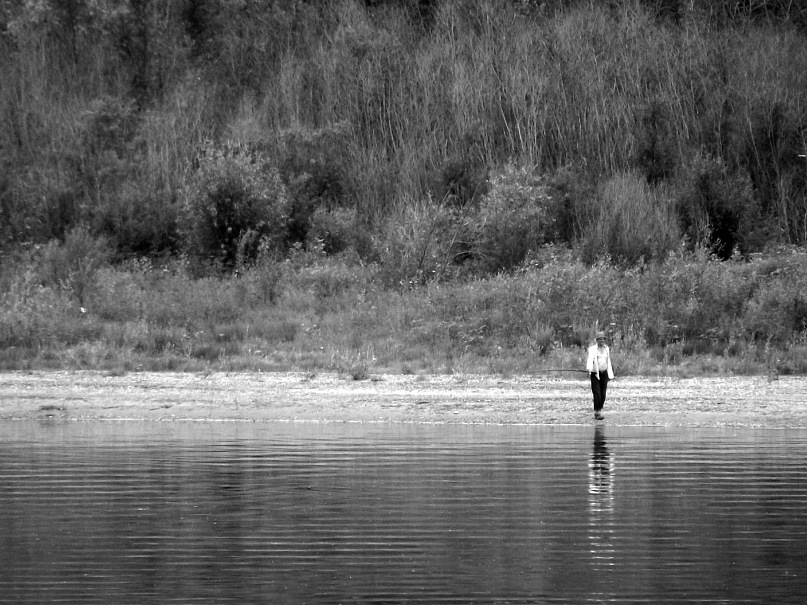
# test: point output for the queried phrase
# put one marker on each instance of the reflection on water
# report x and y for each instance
(601, 502)
(285, 513)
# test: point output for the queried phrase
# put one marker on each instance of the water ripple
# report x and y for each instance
(138, 513)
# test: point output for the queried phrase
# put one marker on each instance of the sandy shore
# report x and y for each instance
(539, 400)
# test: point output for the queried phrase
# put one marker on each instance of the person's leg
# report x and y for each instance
(595, 391)
(603, 388)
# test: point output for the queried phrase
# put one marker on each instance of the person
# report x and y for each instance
(599, 368)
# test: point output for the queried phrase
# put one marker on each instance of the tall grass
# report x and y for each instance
(632, 221)
(686, 314)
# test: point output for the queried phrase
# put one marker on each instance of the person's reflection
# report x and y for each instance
(601, 502)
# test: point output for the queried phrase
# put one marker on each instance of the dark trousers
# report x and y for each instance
(598, 389)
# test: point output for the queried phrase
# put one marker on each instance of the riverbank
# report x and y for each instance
(329, 397)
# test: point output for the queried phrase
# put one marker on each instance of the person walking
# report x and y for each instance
(599, 368)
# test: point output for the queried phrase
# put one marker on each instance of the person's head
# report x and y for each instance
(600, 338)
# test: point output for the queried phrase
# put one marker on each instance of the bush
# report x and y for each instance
(774, 144)
(655, 154)
(233, 205)
(336, 231)
(512, 221)
(415, 245)
(315, 169)
(260, 283)
(778, 311)
(688, 297)
(633, 221)
(33, 315)
(72, 265)
(437, 240)
(717, 210)
(463, 179)
(138, 222)
(122, 176)
(572, 192)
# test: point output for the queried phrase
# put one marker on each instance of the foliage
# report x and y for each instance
(330, 312)
(463, 179)
(632, 221)
(775, 159)
(718, 211)
(338, 230)
(134, 210)
(375, 107)
(567, 147)
(72, 265)
(315, 168)
(512, 221)
(778, 310)
(655, 148)
(572, 191)
(233, 206)
(416, 247)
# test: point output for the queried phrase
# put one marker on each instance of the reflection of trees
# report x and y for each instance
(601, 502)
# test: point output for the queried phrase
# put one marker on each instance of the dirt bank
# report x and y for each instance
(708, 402)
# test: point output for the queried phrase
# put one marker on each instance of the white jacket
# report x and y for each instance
(593, 366)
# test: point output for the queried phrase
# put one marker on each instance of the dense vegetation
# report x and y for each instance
(405, 185)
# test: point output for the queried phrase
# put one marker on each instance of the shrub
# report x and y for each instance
(572, 192)
(234, 199)
(336, 231)
(39, 202)
(716, 209)
(774, 143)
(127, 172)
(415, 244)
(72, 265)
(209, 351)
(33, 315)
(655, 153)
(330, 279)
(435, 240)
(315, 168)
(512, 221)
(273, 330)
(260, 283)
(688, 297)
(633, 222)
(778, 311)
(463, 181)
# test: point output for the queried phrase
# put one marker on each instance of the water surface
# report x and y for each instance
(357, 513)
